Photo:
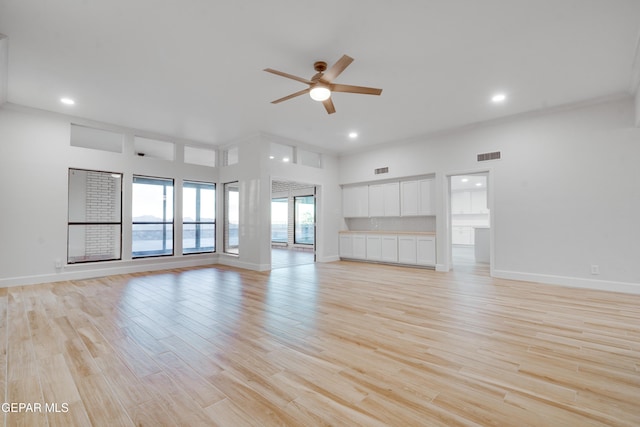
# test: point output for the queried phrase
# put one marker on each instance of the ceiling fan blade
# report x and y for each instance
(289, 76)
(355, 89)
(328, 105)
(293, 95)
(337, 68)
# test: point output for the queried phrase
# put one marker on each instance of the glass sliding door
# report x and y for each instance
(304, 220)
(231, 218)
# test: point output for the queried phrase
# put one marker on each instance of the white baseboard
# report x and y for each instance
(442, 267)
(109, 268)
(233, 261)
(574, 282)
(331, 258)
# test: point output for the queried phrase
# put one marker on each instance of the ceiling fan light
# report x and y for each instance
(320, 93)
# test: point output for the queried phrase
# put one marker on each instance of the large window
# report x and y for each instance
(231, 217)
(198, 217)
(95, 216)
(305, 214)
(152, 212)
(279, 220)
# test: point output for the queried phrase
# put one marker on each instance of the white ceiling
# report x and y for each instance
(193, 68)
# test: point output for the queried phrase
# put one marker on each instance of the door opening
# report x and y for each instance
(293, 224)
(469, 223)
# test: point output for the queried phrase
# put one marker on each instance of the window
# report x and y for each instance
(231, 217)
(304, 220)
(198, 217)
(96, 139)
(281, 153)
(279, 220)
(200, 156)
(95, 216)
(152, 212)
(151, 148)
(309, 158)
(231, 156)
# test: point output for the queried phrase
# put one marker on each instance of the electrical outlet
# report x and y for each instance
(58, 263)
(595, 269)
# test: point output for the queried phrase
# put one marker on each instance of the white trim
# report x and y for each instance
(330, 258)
(573, 282)
(442, 268)
(80, 271)
(234, 261)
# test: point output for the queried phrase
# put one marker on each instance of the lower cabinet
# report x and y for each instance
(374, 247)
(359, 246)
(388, 247)
(426, 250)
(407, 249)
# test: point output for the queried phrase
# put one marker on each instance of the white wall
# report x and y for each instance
(35, 156)
(565, 195)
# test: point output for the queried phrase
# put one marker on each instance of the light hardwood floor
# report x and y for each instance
(339, 344)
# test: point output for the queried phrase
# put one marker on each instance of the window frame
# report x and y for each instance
(155, 181)
(295, 219)
(93, 223)
(284, 199)
(198, 185)
(226, 247)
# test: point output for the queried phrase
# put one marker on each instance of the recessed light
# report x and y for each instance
(353, 135)
(464, 180)
(67, 101)
(271, 157)
(478, 184)
(285, 159)
(498, 97)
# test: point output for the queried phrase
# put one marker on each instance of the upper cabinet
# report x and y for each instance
(355, 201)
(417, 197)
(400, 198)
(384, 199)
(469, 202)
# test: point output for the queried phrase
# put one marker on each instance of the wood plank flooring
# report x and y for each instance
(344, 344)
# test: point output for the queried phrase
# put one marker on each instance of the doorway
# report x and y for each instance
(469, 223)
(293, 224)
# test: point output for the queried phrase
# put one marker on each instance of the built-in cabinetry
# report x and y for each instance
(389, 247)
(355, 201)
(416, 197)
(384, 199)
(398, 198)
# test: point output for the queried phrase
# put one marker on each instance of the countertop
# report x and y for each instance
(412, 233)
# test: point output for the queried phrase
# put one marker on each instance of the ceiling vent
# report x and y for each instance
(489, 156)
(381, 170)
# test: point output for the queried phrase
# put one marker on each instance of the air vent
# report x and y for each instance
(381, 170)
(489, 156)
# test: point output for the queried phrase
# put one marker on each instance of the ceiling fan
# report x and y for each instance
(321, 85)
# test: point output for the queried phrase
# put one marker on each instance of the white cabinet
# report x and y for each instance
(359, 246)
(376, 200)
(406, 249)
(355, 201)
(409, 198)
(374, 247)
(426, 205)
(384, 199)
(410, 249)
(346, 245)
(389, 248)
(426, 250)
(417, 198)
